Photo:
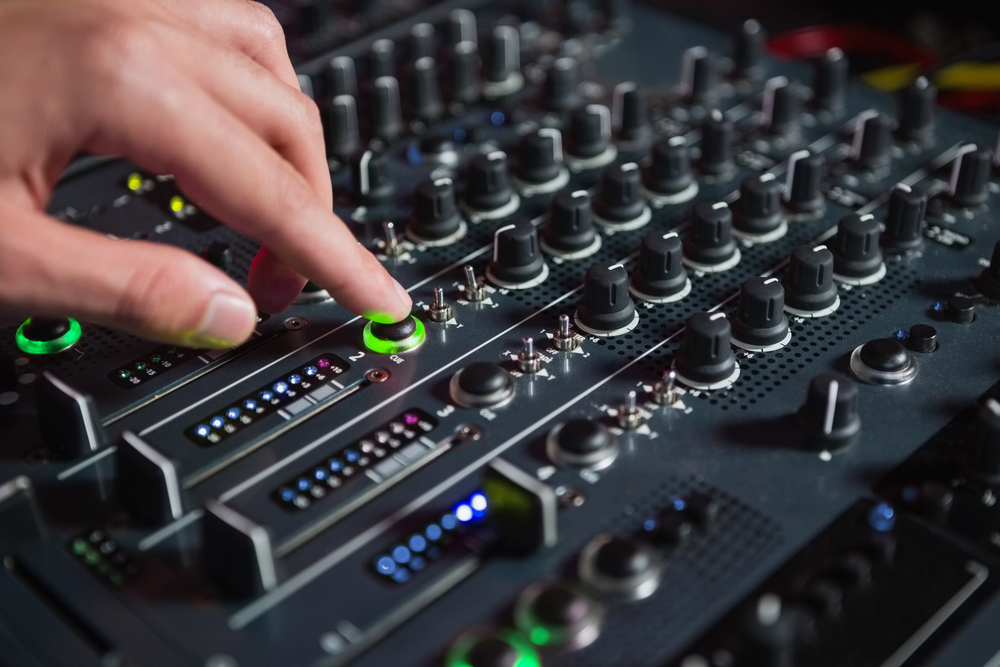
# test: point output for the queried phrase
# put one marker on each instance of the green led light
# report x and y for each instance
(540, 636)
(526, 655)
(380, 346)
(124, 373)
(177, 203)
(64, 342)
(134, 181)
(140, 365)
(156, 358)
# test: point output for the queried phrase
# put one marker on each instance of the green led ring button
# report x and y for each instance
(41, 335)
(504, 648)
(394, 338)
(558, 615)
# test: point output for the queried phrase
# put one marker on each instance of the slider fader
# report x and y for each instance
(702, 371)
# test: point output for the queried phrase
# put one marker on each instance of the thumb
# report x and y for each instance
(160, 292)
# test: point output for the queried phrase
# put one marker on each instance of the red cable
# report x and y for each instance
(814, 41)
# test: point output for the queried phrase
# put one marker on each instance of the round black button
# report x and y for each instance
(560, 606)
(923, 338)
(961, 309)
(622, 558)
(395, 331)
(492, 652)
(885, 354)
(483, 378)
(583, 436)
(45, 329)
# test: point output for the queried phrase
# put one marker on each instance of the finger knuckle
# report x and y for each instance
(112, 49)
(265, 23)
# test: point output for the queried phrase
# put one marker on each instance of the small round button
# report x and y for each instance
(883, 361)
(559, 615)
(620, 569)
(501, 648)
(923, 338)
(961, 309)
(394, 337)
(482, 384)
(581, 443)
(46, 335)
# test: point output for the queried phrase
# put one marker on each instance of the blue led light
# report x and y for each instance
(352, 455)
(336, 465)
(311, 370)
(402, 575)
(679, 504)
(202, 431)
(233, 413)
(433, 532)
(385, 565)
(414, 157)
(478, 502)
(294, 379)
(321, 474)
(649, 524)
(401, 554)
(265, 396)
(417, 563)
(250, 405)
(882, 517)
(448, 522)
(418, 543)
(289, 495)
(938, 306)
(910, 494)
(497, 118)
(463, 513)
(280, 387)
(305, 483)
(900, 334)
(217, 421)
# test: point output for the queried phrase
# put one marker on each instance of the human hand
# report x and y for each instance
(199, 89)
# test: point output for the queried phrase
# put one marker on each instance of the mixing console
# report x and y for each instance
(701, 372)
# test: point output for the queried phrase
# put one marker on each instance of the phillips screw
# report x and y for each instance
(629, 417)
(665, 392)
(528, 360)
(565, 338)
(440, 310)
(474, 290)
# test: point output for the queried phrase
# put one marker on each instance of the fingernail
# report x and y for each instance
(404, 298)
(227, 322)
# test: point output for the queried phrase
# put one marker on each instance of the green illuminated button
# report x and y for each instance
(558, 615)
(505, 648)
(124, 373)
(394, 338)
(155, 358)
(140, 365)
(41, 335)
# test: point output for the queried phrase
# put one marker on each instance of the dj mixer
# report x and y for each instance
(702, 371)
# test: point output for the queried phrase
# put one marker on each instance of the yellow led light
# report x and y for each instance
(134, 181)
(177, 203)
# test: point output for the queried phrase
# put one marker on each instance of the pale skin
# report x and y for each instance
(203, 90)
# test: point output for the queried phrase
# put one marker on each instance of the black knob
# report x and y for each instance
(904, 223)
(922, 338)
(916, 110)
(438, 149)
(427, 104)
(809, 286)
(718, 135)
(386, 116)
(805, 194)
(606, 306)
(540, 156)
(985, 462)
(872, 140)
(970, 175)
(570, 228)
(710, 240)
(782, 106)
(503, 62)
(630, 112)
(341, 78)
(463, 68)
(482, 384)
(760, 320)
(706, 357)
(699, 76)
(219, 254)
(989, 279)
(619, 198)
(561, 81)
(435, 213)
(669, 171)
(830, 87)
(589, 131)
(829, 416)
(961, 309)
(342, 136)
(517, 261)
(758, 210)
(421, 41)
(461, 26)
(856, 252)
(660, 274)
(489, 187)
(382, 58)
(581, 443)
(371, 177)
(749, 48)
